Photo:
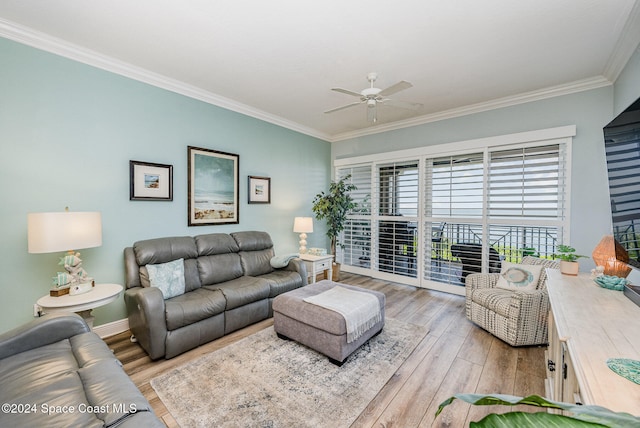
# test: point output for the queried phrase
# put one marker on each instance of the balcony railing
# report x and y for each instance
(453, 250)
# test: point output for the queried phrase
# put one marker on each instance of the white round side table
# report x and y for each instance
(82, 304)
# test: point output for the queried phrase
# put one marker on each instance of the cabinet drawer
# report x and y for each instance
(322, 265)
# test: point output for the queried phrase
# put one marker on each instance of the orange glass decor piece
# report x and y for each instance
(610, 254)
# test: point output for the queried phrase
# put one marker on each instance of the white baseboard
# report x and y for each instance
(109, 329)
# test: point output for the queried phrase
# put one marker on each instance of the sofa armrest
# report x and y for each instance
(145, 308)
(48, 329)
(297, 265)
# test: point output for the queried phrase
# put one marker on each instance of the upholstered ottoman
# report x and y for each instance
(317, 327)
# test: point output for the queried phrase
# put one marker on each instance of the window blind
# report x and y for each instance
(526, 183)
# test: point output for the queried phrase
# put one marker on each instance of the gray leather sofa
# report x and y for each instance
(229, 284)
(54, 372)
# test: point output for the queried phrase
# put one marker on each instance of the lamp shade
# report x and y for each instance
(303, 225)
(63, 231)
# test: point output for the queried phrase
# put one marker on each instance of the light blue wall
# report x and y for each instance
(589, 111)
(67, 133)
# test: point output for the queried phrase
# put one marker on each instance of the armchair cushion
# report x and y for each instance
(499, 300)
(519, 277)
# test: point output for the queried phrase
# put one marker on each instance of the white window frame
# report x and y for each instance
(560, 135)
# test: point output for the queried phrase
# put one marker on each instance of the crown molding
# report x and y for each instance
(45, 42)
(527, 97)
(628, 42)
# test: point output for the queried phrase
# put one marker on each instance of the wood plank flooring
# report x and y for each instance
(456, 356)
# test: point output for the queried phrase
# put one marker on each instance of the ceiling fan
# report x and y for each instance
(372, 96)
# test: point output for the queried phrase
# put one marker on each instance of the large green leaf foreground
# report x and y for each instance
(583, 416)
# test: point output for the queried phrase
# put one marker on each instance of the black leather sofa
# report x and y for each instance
(229, 284)
(54, 372)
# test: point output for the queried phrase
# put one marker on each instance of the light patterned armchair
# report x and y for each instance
(517, 317)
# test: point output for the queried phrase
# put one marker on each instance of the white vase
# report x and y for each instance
(569, 268)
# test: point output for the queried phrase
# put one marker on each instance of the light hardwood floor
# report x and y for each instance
(455, 356)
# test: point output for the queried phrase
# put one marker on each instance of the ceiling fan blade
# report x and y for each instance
(400, 86)
(348, 92)
(343, 107)
(402, 104)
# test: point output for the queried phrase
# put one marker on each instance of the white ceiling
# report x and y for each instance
(278, 60)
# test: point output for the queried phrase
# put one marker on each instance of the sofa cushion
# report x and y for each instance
(162, 250)
(111, 392)
(193, 307)
(49, 376)
(168, 277)
(215, 243)
(35, 369)
(88, 348)
(252, 240)
(256, 251)
(282, 281)
(51, 401)
(219, 268)
(256, 263)
(242, 291)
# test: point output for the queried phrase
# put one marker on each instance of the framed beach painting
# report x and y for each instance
(259, 190)
(150, 181)
(213, 187)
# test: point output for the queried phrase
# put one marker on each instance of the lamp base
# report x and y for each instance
(303, 243)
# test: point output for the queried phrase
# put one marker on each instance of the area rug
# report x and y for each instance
(263, 381)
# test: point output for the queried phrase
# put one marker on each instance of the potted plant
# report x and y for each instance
(333, 207)
(568, 259)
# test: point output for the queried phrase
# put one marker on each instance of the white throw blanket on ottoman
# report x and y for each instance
(361, 311)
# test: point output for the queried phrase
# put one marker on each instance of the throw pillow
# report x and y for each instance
(519, 277)
(168, 277)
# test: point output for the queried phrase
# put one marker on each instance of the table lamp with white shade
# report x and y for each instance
(65, 231)
(303, 225)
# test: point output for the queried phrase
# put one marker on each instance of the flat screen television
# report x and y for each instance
(622, 147)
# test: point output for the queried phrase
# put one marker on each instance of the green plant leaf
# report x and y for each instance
(530, 420)
(595, 415)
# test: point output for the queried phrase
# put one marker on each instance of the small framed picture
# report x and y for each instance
(150, 181)
(259, 190)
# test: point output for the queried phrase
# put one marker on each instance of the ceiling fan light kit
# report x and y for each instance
(371, 96)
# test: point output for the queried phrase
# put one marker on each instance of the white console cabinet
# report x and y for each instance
(588, 325)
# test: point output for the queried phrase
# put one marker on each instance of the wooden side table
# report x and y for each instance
(82, 304)
(317, 264)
